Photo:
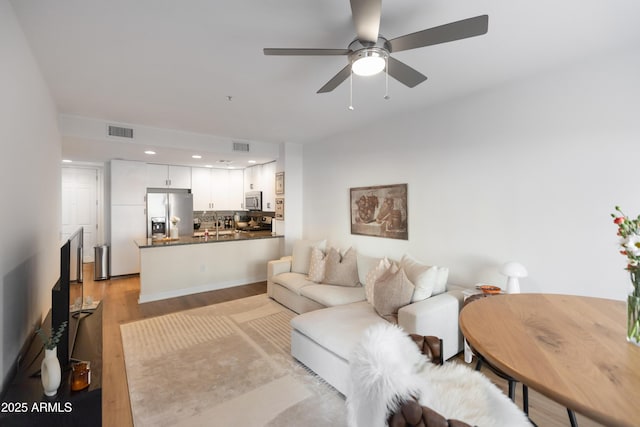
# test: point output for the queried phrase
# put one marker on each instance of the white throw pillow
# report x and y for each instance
(441, 281)
(424, 277)
(374, 274)
(301, 256)
(317, 265)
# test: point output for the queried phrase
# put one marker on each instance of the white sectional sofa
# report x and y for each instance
(333, 317)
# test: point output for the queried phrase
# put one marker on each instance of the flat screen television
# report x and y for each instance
(66, 295)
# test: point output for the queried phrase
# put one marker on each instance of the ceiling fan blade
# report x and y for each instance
(304, 51)
(336, 80)
(404, 74)
(366, 18)
(458, 30)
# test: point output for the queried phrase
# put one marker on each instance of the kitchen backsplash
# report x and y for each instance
(206, 219)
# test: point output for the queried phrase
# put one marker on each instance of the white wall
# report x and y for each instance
(528, 172)
(30, 177)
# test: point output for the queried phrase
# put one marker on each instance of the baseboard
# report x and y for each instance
(157, 296)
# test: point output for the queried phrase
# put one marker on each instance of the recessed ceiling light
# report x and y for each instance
(196, 156)
(208, 166)
(66, 161)
(251, 161)
(150, 152)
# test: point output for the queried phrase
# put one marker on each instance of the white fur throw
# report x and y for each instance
(387, 367)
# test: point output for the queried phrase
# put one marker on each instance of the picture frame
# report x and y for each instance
(280, 183)
(380, 211)
(280, 208)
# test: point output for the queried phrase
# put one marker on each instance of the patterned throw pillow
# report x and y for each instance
(373, 275)
(301, 255)
(341, 270)
(392, 291)
(317, 265)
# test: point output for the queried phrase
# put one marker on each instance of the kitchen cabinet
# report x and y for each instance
(128, 218)
(268, 182)
(252, 177)
(128, 182)
(128, 222)
(169, 176)
(217, 189)
(262, 178)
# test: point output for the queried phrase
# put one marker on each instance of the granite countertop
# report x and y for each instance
(191, 240)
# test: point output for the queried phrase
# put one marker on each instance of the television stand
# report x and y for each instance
(24, 403)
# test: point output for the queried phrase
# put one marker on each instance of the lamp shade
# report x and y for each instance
(513, 269)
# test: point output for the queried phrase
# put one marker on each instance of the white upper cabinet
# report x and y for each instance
(201, 188)
(268, 182)
(169, 176)
(262, 178)
(217, 189)
(128, 182)
(235, 197)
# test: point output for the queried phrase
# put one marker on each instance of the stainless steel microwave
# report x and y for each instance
(253, 200)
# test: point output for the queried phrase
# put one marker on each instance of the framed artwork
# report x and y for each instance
(380, 211)
(280, 183)
(279, 207)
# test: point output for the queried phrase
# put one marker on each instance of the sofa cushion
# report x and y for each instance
(292, 281)
(338, 328)
(330, 295)
(317, 265)
(301, 255)
(422, 276)
(341, 270)
(392, 291)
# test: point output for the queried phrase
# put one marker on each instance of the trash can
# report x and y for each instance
(102, 270)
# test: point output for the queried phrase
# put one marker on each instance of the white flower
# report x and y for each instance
(175, 220)
(632, 244)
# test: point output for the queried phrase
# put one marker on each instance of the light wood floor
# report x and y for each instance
(120, 299)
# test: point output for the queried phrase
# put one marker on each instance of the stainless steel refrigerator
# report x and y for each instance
(162, 205)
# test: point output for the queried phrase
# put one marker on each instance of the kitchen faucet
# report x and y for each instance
(215, 218)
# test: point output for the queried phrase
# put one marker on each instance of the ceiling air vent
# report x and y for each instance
(241, 146)
(120, 132)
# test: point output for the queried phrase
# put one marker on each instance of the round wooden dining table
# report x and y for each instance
(572, 349)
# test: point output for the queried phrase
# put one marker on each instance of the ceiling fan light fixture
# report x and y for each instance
(369, 61)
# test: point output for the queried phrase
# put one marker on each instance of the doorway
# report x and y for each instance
(81, 202)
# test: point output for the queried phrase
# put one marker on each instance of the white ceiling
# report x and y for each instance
(173, 63)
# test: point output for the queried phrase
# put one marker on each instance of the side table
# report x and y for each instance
(470, 295)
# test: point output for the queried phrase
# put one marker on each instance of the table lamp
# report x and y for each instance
(513, 270)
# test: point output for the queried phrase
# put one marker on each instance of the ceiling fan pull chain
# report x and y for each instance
(351, 91)
(386, 78)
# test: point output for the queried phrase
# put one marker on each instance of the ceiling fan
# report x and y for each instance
(370, 53)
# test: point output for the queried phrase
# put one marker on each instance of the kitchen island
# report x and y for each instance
(175, 267)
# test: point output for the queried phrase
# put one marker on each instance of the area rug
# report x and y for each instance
(227, 364)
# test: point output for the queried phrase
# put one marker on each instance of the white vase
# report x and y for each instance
(50, 372)
(174, 232)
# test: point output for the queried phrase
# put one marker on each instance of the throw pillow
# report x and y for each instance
(301, 255)
(365, 264)
(376, 272)
(423, 277)
(392, 291)
(441, 281)
(341, 270)
(317, 265)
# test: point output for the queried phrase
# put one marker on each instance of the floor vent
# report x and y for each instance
(120, 132)
(241, 146)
